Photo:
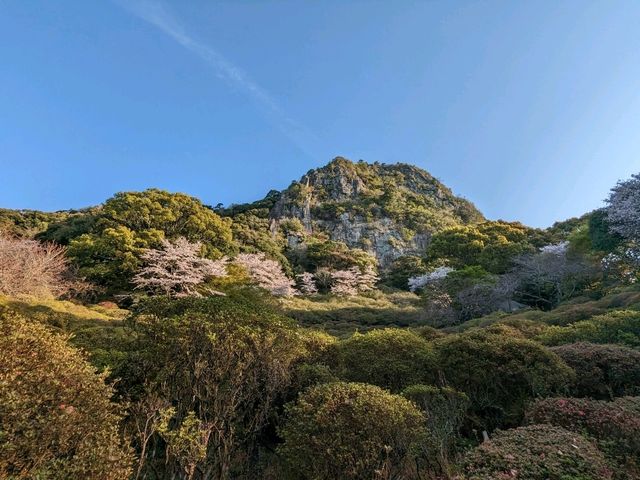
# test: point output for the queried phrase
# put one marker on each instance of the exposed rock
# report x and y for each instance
(387, 210)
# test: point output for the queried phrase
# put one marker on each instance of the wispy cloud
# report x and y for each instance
(157, 14)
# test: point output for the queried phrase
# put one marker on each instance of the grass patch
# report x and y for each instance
(341, 316)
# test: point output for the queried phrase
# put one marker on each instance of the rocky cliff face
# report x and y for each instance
(387, 210)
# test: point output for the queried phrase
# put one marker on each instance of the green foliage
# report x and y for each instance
(71, 226)
(491, 245)
(29, 223)
(537, 452)
(459, 245)
(56, 417)
(445, 410)
(602, 237)
(402, 269)
(111, 258)
(342, 316)
(617, 326)
(350, 431)
(130, 222)
(389, 358)
(602, 371)
(500, 373)
(227, 359)
(335, 256)
(187, 442)
(252, 234)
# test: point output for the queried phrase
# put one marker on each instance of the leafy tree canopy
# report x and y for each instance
(110, 252)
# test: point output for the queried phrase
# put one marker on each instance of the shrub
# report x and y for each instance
(56, 417)
(402, 269)
(350, 431)
(537, 452)
(224, 361)
(389, 358)
(500, 373)
(445, 410)
(615, 426)
(602, 371)
(622, 326)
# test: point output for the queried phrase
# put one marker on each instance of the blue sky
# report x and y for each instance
(529, 109)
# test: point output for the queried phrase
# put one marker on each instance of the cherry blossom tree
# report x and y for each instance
(177, 269)
(367, 279)
(267, 273)
(623, 208)
(345, 282)
(557, 249)
(352, 281)
(307, 283)
(421, 281)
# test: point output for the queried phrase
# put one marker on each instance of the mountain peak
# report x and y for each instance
(389, 210)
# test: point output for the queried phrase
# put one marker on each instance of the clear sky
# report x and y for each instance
(531, 109)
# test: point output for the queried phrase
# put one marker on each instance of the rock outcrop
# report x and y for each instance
(387, 210)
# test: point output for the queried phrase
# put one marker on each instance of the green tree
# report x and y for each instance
(110, 253)
(336, 256)
(350, 431)
(460, 246)
(491, 245)
(56, 416)
(603, 238)
(402, 269)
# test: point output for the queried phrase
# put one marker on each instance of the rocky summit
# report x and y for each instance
(387, 210)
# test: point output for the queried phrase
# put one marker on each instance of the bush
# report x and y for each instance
(500, 373)
(223, 363)
(602, 371)
(389, 358)
(350, 431)
(622, 326)
(56, 417)
(615, 426)
(537, 452)
(445, 410)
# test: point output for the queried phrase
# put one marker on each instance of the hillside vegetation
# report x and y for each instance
(364, 323)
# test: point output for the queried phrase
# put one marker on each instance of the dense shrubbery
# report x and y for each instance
(56, 416)
(538, 452)
(351, 431)
(614, 426)
(445, 410)
(602, 371)
(222, 363)
(390, 358)
(621, 327)
(500, 373)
